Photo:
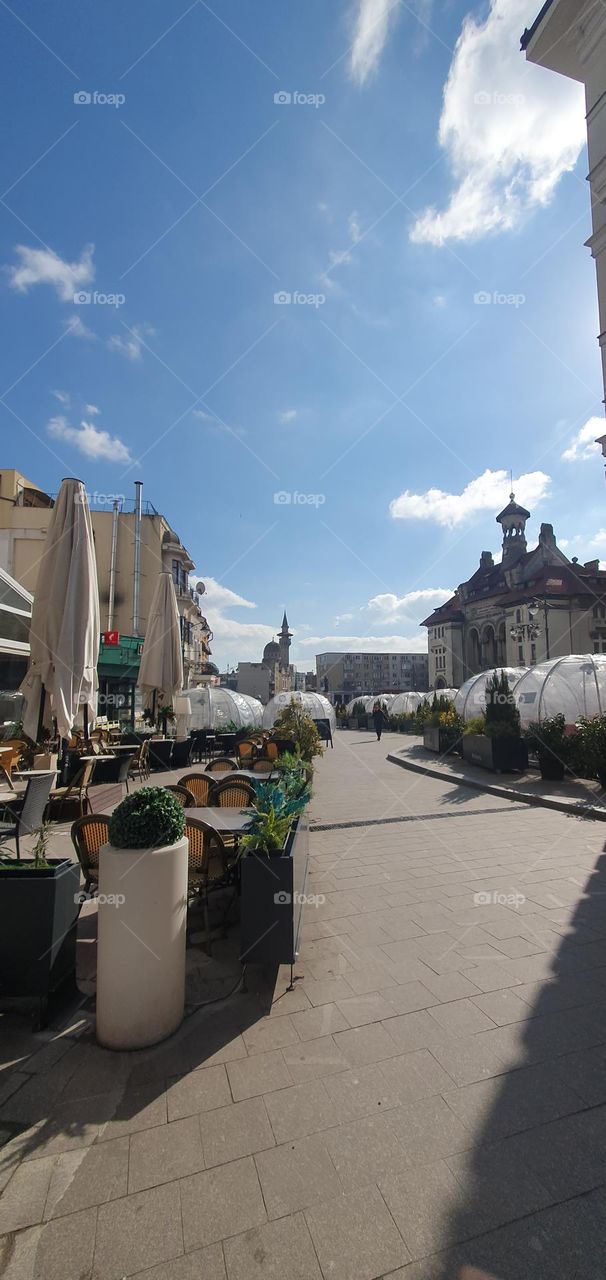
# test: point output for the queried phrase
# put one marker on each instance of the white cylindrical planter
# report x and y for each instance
(141, 944)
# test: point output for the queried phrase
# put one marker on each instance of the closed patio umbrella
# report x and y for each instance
(65, 627)
(161, 669)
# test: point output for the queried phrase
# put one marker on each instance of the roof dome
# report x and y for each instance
(271, 652)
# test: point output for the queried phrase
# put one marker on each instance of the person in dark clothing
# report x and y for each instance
(378, 719)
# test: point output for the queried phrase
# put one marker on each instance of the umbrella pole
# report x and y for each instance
(41, 715)
(85, 721)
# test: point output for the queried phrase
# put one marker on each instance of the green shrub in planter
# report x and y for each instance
(477, 724)
(147, 819)
(588, 748)
(553, 746)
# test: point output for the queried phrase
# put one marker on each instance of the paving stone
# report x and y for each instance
(355, 1236)
(498, 1187)
(137, 1232)
(321, 1021)
(360, 1092)
(422, 1201)
(199, 1091)
(467, 1060)
(87, 1177)
(409, 996)
(415, 1075)
(461, 1018)
(309, 1059)
(428, 1129)
(491, 976)
(221, 1202)
(412, 1031)
(163, 1154)
(136, 1109)
(521, 1100)
(23, 1199)
(364, 1009)
(202, 1264)
(260, 1074)
(58, 1250)
(449, 986)
(238, 1130)
(74, 1124)
(367, 1044)
(296, 1175)
(270, 1033)
(365, 1149)
(326, 990)
(280, 1250)
(301, 1110)
(503, 1006)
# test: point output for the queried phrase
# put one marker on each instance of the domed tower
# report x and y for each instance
(512, 520)
(271, 654)
(284, 639)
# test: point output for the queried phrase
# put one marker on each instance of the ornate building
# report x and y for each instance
(532, 606)
(273, 674)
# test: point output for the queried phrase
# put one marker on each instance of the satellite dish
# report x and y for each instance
(200, 588)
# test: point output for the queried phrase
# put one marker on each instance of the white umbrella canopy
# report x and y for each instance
(65, 627)
(161, 669)
(313, 704)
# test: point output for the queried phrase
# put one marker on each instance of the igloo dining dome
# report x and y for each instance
(470, 700)
(572, 686)
(314, 704)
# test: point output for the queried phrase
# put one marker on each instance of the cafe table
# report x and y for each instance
(233, 821)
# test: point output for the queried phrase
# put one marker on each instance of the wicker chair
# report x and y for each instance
(139, 765)
(88, 835)
(208, 871)
(183, 795)
(222, 764)
(271, 750)
(263, 765)
(201, 786)
(246, 750)
(77, 790)
(234, 793)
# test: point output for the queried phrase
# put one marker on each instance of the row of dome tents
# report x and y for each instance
(398, 704)
(573, 686)
(215, 707)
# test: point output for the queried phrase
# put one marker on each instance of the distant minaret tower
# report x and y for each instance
(512, 520)
(284, 639)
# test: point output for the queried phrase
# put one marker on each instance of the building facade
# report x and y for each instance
(341, 676)
(274, 673)
(532, 606)
(569, 37)
(133, 544)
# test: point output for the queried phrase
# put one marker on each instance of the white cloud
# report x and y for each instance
(92, 410)
(199, 413)
(510, 130)
(388, 607)
(582, 445)
(62, 396)
(43, 266)
(372, 22)
(90, 441)
(221, 597)
(78, 329)
(288, 415)
(131, 344)
(355, 229)
(487, 493)
(366, 644)
(341, 617)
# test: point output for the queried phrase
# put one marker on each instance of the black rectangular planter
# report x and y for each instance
(271, 902)
(501, 755)
(435, 739)
(38, 919)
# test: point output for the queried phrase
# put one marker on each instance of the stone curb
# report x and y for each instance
(574, 808)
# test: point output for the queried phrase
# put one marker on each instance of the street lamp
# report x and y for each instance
(526, 630)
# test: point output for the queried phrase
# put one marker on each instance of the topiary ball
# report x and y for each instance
(148, 819)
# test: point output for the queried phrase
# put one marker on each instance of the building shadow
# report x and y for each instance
(530, 1197)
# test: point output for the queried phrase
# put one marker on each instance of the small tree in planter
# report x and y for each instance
(357, 719)
(294, 723)
(553, 746)
(443, 729)
(588, 748)
(501, 746)
(142, 921)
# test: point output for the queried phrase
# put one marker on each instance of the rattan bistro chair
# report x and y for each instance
(246, 750)
(234, 793)
(88, 835)
(208, 870)
(222, 764)
(139, 765)
(263, 765)
(22, 817)
(183, 795)
(201, 786)
(77, 790)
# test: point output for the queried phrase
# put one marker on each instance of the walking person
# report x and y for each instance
(378, 719)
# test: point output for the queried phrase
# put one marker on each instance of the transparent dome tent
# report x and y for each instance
(405, 704)
(213, 707)
(470, 700)
(573, 686)
(386, 700)
(313, 704)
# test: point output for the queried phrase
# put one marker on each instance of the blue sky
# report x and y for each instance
(415, 192)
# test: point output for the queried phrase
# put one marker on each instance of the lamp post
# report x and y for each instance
(530, 630)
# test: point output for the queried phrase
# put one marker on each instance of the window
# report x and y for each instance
(521, 654)
(518, 615)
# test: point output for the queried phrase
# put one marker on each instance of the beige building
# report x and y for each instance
(569, 37)
(340, 676)
(532, 606)
(133, 544)
(274, 673)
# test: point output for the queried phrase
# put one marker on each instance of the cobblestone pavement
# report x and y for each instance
(429, 1102)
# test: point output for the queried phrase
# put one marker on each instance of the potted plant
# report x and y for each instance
(357, 719)
(588, 748)
(501, 746)
(443, 729)
(142, 921)
(553, 746)
(273, 869)
(39, 908)
(295, 724)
